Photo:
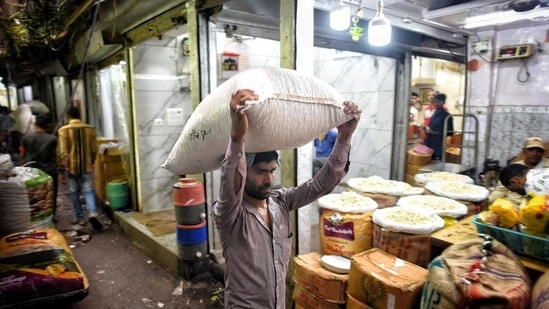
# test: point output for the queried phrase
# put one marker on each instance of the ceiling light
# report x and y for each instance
(379, 28)
(504, 17)
(340, 16)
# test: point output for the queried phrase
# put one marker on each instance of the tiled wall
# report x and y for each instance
(510, 105)
(158, 86)
(368, 81)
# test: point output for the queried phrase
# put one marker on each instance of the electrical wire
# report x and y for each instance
(482, 57)
(477, 53)
(84, 61)
(449, 46)
(524, 67)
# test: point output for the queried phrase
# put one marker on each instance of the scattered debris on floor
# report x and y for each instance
(178, 289)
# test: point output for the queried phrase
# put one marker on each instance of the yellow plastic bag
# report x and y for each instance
(534, 214)
(505, 209)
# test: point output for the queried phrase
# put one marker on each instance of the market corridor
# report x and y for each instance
(121, 276)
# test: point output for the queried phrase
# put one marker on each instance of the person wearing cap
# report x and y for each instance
(532, 153)
(253, 218)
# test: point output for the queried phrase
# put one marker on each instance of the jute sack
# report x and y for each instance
(540, 293)
(291, 111)
(461, 278)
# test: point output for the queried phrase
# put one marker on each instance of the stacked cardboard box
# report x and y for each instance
(306, 299)
(109, 166)
(316, 286)
(412, 248)
(353, 303)
(414, 162)
(382, 280)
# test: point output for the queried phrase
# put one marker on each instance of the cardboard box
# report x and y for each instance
(353, 303)
(410, 179)
(384, 281)
(115, 168)
(412, 248)
(413, 169)
(325, 284)
(306, 299)
(415, 158)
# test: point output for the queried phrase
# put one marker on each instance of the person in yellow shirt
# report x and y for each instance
(76, 152)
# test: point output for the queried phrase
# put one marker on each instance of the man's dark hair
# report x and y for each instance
(440, 97)
(510, 171)
(73, 112)
(414, 94)
(42, 121)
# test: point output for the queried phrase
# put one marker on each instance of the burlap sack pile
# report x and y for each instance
(458, 279)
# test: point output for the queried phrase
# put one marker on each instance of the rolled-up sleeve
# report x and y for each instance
(228, 204)
(324, 182)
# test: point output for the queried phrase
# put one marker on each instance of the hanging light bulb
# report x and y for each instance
(379, 28)
(340, 16)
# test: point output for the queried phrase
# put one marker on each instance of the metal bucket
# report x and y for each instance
(189, 201)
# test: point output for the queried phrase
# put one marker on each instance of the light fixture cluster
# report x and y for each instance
(340, 16)
(379, 28)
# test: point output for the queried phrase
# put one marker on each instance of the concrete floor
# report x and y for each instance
(128, 268)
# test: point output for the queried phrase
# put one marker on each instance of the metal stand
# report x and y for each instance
(466, 169)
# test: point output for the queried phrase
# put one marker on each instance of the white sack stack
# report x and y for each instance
(291, 111)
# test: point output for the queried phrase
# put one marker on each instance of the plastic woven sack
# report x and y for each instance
(26, 200)
(458, 190)
(36, 267)
(411, 221)
(464, 277)
(291, 111)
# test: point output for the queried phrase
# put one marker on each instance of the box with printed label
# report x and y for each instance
(310, 274)
(385, 281)
(353, 303)
(306, 299)
(412, 248)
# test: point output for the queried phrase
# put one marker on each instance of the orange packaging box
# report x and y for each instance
(353, 303)
(323, 283)
(384, 281)
(306, 299)
(412, 248)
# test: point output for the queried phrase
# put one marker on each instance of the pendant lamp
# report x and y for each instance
(340, 16)
(379, 28)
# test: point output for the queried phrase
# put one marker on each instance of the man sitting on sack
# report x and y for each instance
(522, 180)
(532, 157)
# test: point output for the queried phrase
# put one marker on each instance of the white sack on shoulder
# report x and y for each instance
(291, 111)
